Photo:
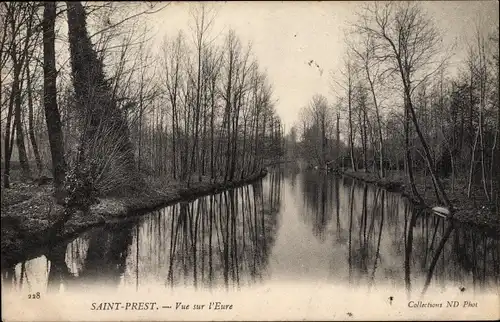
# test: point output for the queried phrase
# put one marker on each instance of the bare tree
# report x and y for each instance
(172, 67)
(19, 21)
(410, 43)
(347, 84)
(371, 65)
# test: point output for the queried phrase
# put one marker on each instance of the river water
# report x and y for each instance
(292, 226)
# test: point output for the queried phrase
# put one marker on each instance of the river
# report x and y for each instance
(292, 226)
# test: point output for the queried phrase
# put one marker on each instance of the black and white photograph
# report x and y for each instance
(250, 160)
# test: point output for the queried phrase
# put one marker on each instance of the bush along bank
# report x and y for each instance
(30, 225)
(476, 214)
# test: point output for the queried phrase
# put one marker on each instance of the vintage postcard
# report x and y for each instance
(199, 161)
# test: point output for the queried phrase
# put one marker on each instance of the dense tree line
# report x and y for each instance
(82, 94)
(403, 107)
(222, 121)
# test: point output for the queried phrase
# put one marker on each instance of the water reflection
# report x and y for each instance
(291, 226)
(318, 200)
(387, 240)
(218, 240)
(222, 239)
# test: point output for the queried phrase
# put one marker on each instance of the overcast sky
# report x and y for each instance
(286, 35)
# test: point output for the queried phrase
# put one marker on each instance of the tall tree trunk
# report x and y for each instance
(18, 123)
(9, 140)
(257, 147)
(472, 165)
(337, 140)
(52, 116)
(243, 168)
(427, 155)
(405, 72)
(323, 140)
(237, 102)
(227, 116)
(495, 155)
(408, 158)
(379, 122)
(351, 140)
(482, 87)
(31, 130)
(141, 111)
(364, 138)
(471, 109)
(204, 133)
(482, 153)
(212, 117)
(174, 141)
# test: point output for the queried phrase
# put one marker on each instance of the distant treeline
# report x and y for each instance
(400, 105)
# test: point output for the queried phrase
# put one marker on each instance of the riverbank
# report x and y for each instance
(29, 212)
(467, 211)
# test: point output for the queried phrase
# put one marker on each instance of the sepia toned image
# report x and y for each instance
(199, 161)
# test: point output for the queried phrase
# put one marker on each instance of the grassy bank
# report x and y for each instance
(476, 212)
(29, 212)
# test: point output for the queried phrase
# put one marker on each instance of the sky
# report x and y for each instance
(285, 36)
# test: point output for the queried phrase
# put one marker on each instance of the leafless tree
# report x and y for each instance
(411, 44)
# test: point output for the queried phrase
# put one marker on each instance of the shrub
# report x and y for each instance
(79, 185)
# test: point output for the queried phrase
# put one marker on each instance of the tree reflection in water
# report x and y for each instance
(388, 240)
(318, 195)
(93, 259)
(442, 249)
(337, 227)
(219, 240)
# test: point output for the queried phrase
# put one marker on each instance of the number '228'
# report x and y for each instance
(34, 296)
